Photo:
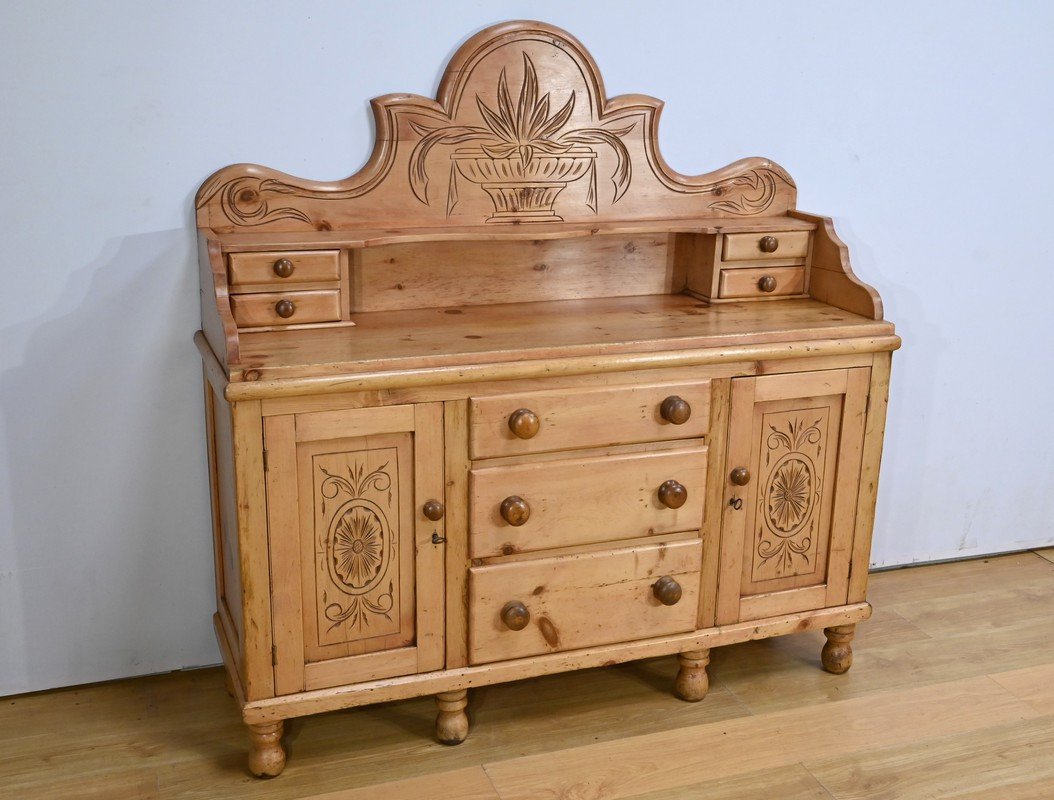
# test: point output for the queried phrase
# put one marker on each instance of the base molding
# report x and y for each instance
(452, 680)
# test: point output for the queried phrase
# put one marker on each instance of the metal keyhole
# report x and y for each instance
(736, 503)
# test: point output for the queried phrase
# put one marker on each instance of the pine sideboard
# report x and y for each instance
(518, 398)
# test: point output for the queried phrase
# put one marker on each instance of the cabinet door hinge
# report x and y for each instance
(274, 655)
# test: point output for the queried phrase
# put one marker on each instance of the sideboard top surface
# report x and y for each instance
(433, 337)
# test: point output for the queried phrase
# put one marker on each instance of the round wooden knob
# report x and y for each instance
(515, 615)
(675, 410)
(283, 268)
(768, 244)
(515, 511)
(740, 476)
(524, 423)
(672, 494)
(767, 283)
(434, 510)
(284, 308)
(666, 590)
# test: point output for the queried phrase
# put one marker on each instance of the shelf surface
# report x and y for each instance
(444, 337)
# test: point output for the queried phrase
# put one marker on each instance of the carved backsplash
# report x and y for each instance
(521, 131)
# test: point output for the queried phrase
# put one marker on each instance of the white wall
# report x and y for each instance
(924, 128)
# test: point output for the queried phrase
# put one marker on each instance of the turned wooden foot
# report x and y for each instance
(228, 682)
(452, 721)
(692, 681)
(266, 756)
(837, 654)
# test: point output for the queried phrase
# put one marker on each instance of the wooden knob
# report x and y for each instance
(768, 244)
(672, 494)
(515, 511)
(434, 510)
(767, 283)
(284, 308)
(740, 476)
(283, 268)
(666, 590)
(675, 410)
(515, 615)
(524, 423)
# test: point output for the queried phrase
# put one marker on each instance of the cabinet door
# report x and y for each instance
(356, 579)
(787, 533)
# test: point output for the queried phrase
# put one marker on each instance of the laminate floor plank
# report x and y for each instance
(1003, 762)
(470, 783)
(1046, 553)
(784, 783)
(1034, 685)
(626, 767)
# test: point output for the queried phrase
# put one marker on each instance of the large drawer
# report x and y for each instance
(574, 501)
(567, 418)
(581, 600)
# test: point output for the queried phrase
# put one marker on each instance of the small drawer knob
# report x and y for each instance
(666, 590)
(768, 244)
(672, 494)
(524, 423)
(515, 511)
(434, 510)
(740, 476)
(675, 410)
(515, 615)
(283, 268)
(767, 283)
(284, 308)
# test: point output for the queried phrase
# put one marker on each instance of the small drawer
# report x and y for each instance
(762, 282)
(285, 308)
(281, 268)
(545, 605)
(536, 422)
(546, 504)
(763, 246)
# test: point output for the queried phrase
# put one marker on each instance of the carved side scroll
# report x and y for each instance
(521, 131)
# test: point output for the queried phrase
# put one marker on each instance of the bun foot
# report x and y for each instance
(837, 654)
(692, 681)
(266, 755)
(452, 722)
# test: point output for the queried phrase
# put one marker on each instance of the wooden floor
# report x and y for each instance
(951, 696)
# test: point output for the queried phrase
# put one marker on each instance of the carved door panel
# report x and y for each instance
(789, 517)
(356, 579)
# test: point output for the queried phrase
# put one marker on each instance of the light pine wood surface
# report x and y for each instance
(951, 696)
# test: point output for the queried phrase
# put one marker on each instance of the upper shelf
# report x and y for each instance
(521, 131)
(373, 237)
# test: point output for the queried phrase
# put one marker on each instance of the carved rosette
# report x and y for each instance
(790, 493)
(358, 545)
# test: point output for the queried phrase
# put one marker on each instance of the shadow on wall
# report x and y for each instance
(109, 492)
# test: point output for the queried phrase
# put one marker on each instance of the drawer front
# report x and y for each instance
(582, 600)
(748, 246)
(761, 282)
(570, 418)
(578, 501)
(281, 268)
(257, 310)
